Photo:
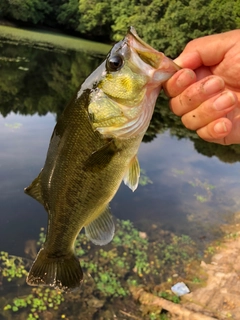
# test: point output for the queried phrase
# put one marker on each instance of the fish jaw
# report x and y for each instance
(165, 71)
(158, 67)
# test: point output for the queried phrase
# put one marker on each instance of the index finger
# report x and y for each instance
(179, 82)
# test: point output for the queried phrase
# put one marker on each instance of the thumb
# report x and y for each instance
(207, 51)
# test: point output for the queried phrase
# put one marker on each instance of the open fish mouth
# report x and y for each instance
(150, 56)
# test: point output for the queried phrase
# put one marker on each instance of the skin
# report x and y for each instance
(206, 92)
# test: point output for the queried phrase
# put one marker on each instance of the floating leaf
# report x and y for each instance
(144, 179)
(15, 125)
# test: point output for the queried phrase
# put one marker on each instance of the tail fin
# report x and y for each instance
(63, 273)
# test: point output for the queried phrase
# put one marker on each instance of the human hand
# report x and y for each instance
(206, 93)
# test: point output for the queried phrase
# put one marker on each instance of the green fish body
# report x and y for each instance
(92, 149)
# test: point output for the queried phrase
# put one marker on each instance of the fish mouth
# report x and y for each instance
(150, 56)
(132, 31)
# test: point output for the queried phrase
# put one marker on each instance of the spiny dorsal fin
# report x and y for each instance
(34, 190)
(101, 230)
(132, 175)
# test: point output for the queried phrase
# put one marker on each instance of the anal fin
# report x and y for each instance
(101, 230)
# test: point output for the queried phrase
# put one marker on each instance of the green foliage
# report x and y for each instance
(68, 14)
(166, 25)
(34, 11)
(95, 17)
(186, 20)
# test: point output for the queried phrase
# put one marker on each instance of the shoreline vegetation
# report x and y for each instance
(165, 25)
(132, 269)
(49, 40)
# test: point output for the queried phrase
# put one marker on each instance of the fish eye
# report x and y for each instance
(114, 63)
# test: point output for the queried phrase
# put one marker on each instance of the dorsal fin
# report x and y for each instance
(34, 190)
(101, 230)
(132, 175)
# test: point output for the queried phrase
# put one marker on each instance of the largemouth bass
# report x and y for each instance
(93, 148)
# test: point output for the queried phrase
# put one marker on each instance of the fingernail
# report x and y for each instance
(226, 100)
(178, 61)
(213, 85)
(220, 127)
(185, 78)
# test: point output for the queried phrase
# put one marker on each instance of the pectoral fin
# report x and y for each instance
(132, 175)
(101, 158)
(34, 190)
(101, 230)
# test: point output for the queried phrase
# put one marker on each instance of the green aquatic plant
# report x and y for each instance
(210, 250)
(108, 283)
(205, 186)
(232, 235)
(41, 237)
(184, 239)
(177, 172)
(15, 125)
(168, 254)
(144, 179)
(169, 296)
(200, 198)
(154, 316)
(132, 254)
(40, 300)
(12, 267)
(130, 259)
(158, 316)
(196, 280)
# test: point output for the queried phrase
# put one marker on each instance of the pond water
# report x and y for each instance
(188, 186)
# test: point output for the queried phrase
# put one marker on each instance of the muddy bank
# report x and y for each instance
(220, 298)
(214, 284)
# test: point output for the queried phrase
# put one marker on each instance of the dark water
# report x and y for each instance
(191, 187)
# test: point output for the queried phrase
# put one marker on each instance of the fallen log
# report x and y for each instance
(176, 310)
